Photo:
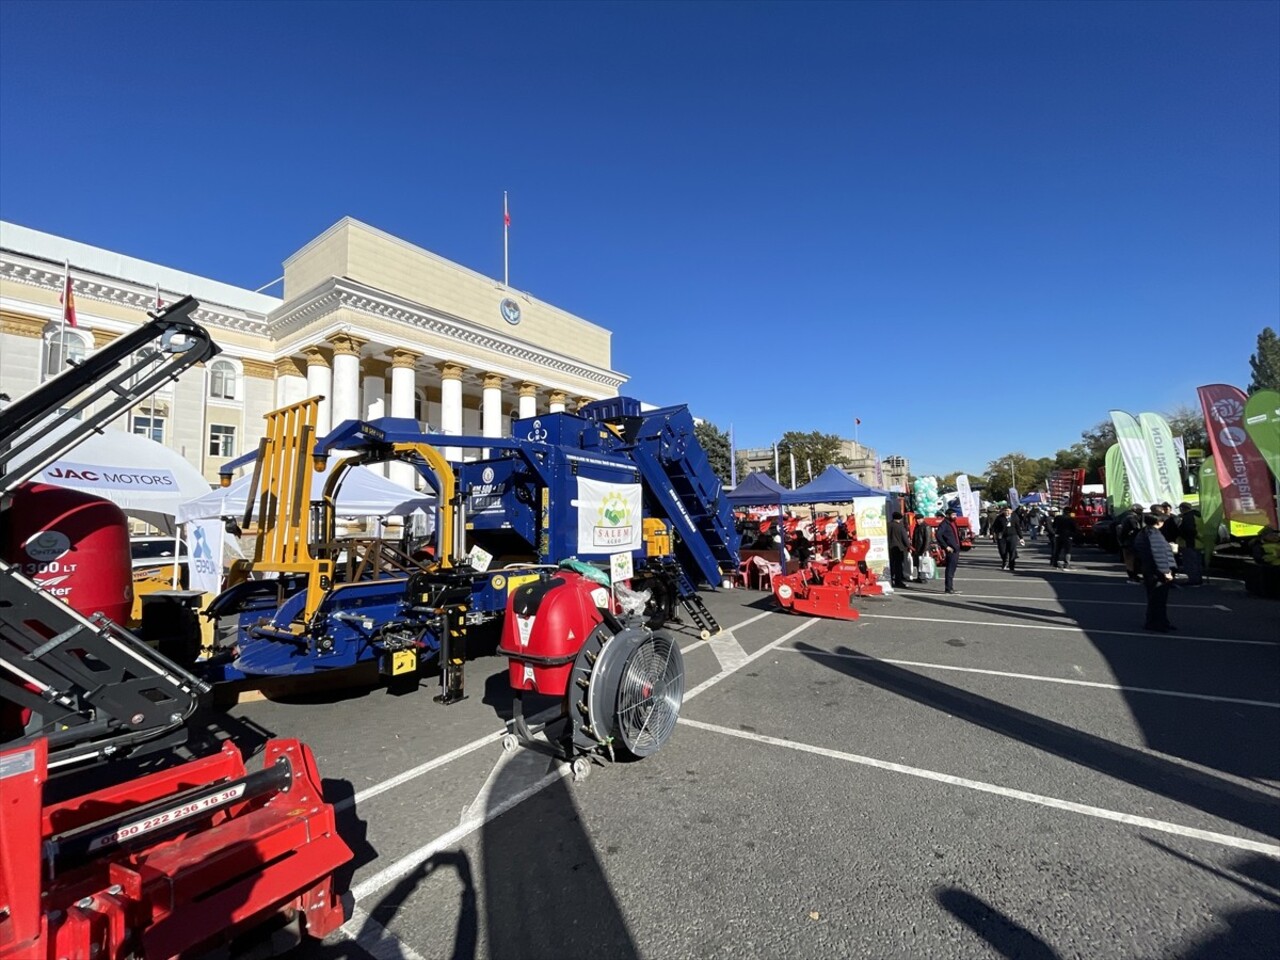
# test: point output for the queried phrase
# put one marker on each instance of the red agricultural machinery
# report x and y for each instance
(126, 832)
(828, 590)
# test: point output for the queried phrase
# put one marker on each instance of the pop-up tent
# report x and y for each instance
(833, 485)
(363, 494)
(145, 479)
(759, 489)
(1034, 497)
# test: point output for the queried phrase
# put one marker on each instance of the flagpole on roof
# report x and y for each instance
(733, 460)
(506, 227)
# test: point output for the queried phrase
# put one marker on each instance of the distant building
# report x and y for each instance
(859, 460)
(896, 471)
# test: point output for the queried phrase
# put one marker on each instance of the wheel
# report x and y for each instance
(580, 768)
(509, 743)
(705, 635)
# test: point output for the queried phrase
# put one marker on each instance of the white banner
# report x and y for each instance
(204, 556)
(872, 525)
(969, 504)
(608, 516)
(1138, 465)
(90, 476)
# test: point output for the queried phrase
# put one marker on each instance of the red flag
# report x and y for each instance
(1242, 472)
(68, 301)
(506, 219)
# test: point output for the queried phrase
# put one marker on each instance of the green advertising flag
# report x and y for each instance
(1164, 458)
(1210, 506)
(1117, 481)
(1262, 423)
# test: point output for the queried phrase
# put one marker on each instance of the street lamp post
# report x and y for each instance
(1014, 473)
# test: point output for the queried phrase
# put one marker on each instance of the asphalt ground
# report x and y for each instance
(1016, 771)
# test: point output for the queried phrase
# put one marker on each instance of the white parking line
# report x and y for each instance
(1238, 843)
(1031, 676)
(419, 770)
(374, 939)
(1089, 630)
(1111, 603)
(409, 862)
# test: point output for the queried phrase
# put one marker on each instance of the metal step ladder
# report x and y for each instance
(691, 600)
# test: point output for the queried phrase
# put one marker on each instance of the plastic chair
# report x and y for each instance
(765, 572)
(742, 577)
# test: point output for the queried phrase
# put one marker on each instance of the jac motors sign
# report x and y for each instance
(89, 476)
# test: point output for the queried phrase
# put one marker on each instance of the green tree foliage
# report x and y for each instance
(819, 449)
(1016, 469)
(1265, 364)
(716, 443)
(1188, 423)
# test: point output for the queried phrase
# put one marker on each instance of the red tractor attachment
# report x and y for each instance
(829, 591)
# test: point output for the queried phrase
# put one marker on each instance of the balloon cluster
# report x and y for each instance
(926, 494)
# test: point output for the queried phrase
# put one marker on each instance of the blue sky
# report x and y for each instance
(977, 227)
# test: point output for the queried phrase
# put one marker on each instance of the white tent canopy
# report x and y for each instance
(363, 494)
(145, 479)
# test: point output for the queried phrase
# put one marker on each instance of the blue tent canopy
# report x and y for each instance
(1034, 497)
(759, 489)
(833, 485)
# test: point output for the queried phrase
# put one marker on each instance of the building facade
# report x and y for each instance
(372, 323)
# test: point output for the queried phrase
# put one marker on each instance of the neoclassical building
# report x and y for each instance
(374, 324)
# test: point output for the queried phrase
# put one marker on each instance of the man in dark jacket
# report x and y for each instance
(1126, 532)
(899, 546)
(1064, 529)
(1008, 532)
(1156, 560)
(921, 545)
(949, 539)
(801, 548)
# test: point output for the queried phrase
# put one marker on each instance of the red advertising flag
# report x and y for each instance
(68, 300)
(1247, 492)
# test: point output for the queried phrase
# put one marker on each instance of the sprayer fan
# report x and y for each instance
(649, 694)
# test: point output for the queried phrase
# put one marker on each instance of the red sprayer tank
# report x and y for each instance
(546, 624)
(73, 545)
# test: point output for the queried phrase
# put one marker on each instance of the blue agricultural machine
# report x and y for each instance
(584, 487)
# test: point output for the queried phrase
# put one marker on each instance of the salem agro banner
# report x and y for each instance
(608, 516)
(1262, 423)
(1210, 507)
(869, 515)
(1119, 494)
(1137, 460)
(1164, 457)
(1248, 492)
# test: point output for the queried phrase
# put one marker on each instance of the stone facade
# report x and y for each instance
(374, 324)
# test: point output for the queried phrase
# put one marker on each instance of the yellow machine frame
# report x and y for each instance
(283, 474)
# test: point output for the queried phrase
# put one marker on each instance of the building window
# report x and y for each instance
(420, 408)
(222, 380)
(150, 427)
(222, 440)
(61, 349)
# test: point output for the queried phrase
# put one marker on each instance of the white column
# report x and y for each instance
(556, 401)
(374, 402)
(320, 384)
(404, 373)
(291, 381)
(451, 406)
(491, 406)
(346, 378)
(528, 400)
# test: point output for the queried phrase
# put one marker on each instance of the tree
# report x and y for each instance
(1097, 440)
(716, 444)
(1265, 364)
(812, 449)
(1003, 471)
(1188, 423)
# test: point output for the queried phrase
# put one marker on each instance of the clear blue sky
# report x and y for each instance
(937, 218)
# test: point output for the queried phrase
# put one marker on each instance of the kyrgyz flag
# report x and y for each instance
(1164, 457)
(1138, 465)
(1262, 423)
(1248, 494)
(1117, 481)
(1210, 507)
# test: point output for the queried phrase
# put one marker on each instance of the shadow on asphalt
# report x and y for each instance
(546, 893)
(1167, 725)
(1034, 614)
(1218, 797)
(1247, 934)
(999, 931)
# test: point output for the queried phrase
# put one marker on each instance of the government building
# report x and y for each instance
(372, 323)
